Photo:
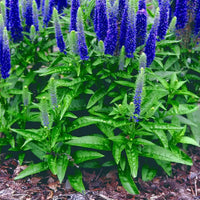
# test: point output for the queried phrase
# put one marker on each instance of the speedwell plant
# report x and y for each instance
(77, 85)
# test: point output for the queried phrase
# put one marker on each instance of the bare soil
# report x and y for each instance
(184, 184)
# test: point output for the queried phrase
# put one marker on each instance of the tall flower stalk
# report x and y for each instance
(58, 32)
(100, 21)
(141, 24)
(150, 46)
(61, 5)
(29, 15)
(111, 38)
(35, 16)
(5, 57)
(83, 51)
(73, 17)
(130, 42)
(7, 4)
(15, 22)
(181, 14)
(164, 18)
(139, 87)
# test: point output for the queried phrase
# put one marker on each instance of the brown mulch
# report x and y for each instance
(184, 184)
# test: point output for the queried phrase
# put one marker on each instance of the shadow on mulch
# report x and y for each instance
(184, 184)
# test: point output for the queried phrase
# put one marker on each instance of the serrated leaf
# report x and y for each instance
(94, 142)
(162, 137)
(127, 182)
(99, 94)
(52, 164)
(132, 156)
(161, 153)
(76, 181)
(32, 169)
(84, 155)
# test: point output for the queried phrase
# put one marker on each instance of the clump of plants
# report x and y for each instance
(82, 82)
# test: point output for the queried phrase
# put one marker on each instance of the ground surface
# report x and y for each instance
(184, 184)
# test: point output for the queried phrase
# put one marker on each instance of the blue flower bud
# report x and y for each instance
(73, 42)
(15, 22)
(44, 112)
(181, 14)
(111, 38)
(123, 28)
(83, 51)
(5, 57)
(122, 59)
(26, 96)
(35, 16)
(61, 5)
(164, 18)
(29, 15)
(141, 27)
(58, 32)
(139, 87)
(100, 21)
(53, 93)
(130, 42)
(150, 46)
(73, 18)
(47, 12)
(142, 5)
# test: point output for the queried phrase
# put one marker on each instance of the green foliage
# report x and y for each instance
(73, 114)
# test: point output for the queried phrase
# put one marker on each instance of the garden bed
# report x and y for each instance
(184, 184)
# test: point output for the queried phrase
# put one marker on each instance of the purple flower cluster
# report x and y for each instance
(123, 27)
(61, 5)
(142, 5)
(164, 17)
(181, 13)
(47, 11)
(35, 16)
(83, 51)
(5, 55)
(58, 33)
(73, 18)
(141, 27)
(38, 3)
(130, 41)
(150, 46)
(15, 23)
(29, 15)
(111, 38)
(100, 21)
(197, 19)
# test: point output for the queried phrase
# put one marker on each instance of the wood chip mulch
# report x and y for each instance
(184, 184)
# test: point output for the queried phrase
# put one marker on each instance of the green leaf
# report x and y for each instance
(182, 109)
(126, 83)
(165, 165)
(94, 142)
(117, 150)
(34, 134)
(162, 137)
(52, 163)
(161, 153)
(32, 169)
(65, 105)
(62, 164)
(127, 182)
(106, 129)
(188, 140)
(55, 133)
(84, 155)
(76, 181)
(132, 156)
(89, 120)
(99, 94)
(38, 150)
(147, 173)
(194, 117)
